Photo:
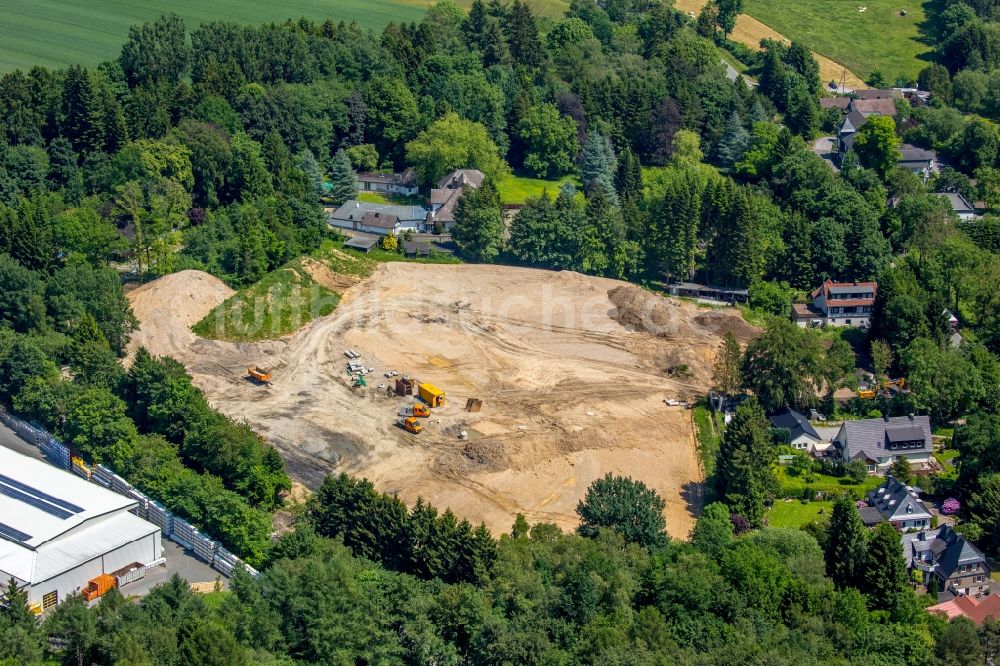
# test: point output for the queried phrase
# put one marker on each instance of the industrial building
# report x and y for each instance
(60, 533)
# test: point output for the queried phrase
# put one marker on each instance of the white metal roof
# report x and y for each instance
(60, 555)
(41, 502)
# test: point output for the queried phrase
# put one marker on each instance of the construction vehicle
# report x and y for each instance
(259, 374)
(888, 389)
(418, 409)
(410, 424)
(432, 395)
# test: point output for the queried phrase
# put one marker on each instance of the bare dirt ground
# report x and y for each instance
(572, 371)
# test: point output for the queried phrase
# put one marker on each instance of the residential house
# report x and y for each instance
(879, 106)
(379, 219)
(444, 197)
(404, 183)
(944, 554)
(978, 609)
(837, 304)
(840, 103)
(899, 505)
(880, 442)
(803, 436)
(959, 204)
(918, 160)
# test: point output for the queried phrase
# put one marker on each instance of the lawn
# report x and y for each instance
(518, 189)
(878, 37)
(56, 33)
(288, 298)
(796, 514)
(793, 486)
(372, 197)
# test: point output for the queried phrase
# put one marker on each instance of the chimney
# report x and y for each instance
(911, 416)
(886, 417)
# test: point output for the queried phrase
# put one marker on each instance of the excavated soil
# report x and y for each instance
(571, 371)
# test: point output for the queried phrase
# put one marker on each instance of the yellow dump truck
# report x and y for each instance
(432, 395)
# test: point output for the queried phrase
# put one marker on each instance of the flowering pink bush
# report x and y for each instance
(861, 504)
(950, 506)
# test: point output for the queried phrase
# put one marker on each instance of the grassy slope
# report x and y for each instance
(876, 38)
(287, 298)
(55, 33)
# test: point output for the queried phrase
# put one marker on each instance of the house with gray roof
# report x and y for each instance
(880, 442)
(404, 183)
(945, 555)
(959, 205)
(803, 436)
(899, 505)
(379, 219)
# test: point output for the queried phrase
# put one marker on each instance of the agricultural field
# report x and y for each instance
(879, 37)
(56, 33)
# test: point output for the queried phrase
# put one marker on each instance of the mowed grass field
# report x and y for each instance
(56, 33)
(877, 38)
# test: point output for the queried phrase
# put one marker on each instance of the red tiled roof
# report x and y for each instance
(975, 609)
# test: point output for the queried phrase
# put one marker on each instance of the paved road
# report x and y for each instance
(10, 440)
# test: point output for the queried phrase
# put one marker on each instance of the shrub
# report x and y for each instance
(951, 506)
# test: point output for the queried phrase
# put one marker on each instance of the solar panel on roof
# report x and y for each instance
(48, 508)
(11, 533)
(69, 506)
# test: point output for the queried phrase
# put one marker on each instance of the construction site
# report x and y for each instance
(487, 389)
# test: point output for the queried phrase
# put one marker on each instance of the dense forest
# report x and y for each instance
(210, 147)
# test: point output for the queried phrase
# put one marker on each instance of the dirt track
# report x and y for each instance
(571, 371)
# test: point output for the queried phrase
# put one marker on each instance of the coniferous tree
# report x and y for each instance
(845, 546)
(343, 180)
(884, 569)
(629, 178)
(522, 35)
(82, 112)
(599, 166)
(494, 44)
(743, 475)
(713, 532)
(734, 142)
(727, 365)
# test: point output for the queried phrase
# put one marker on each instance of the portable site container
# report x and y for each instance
(432, 395)
(98, 587)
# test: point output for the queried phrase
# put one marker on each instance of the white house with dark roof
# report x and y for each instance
(880, 442)
(404, 183)
(379, 219)
(959, 205)
(899, 505)
(803, 436)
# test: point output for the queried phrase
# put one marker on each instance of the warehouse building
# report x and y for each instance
(59, 533)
